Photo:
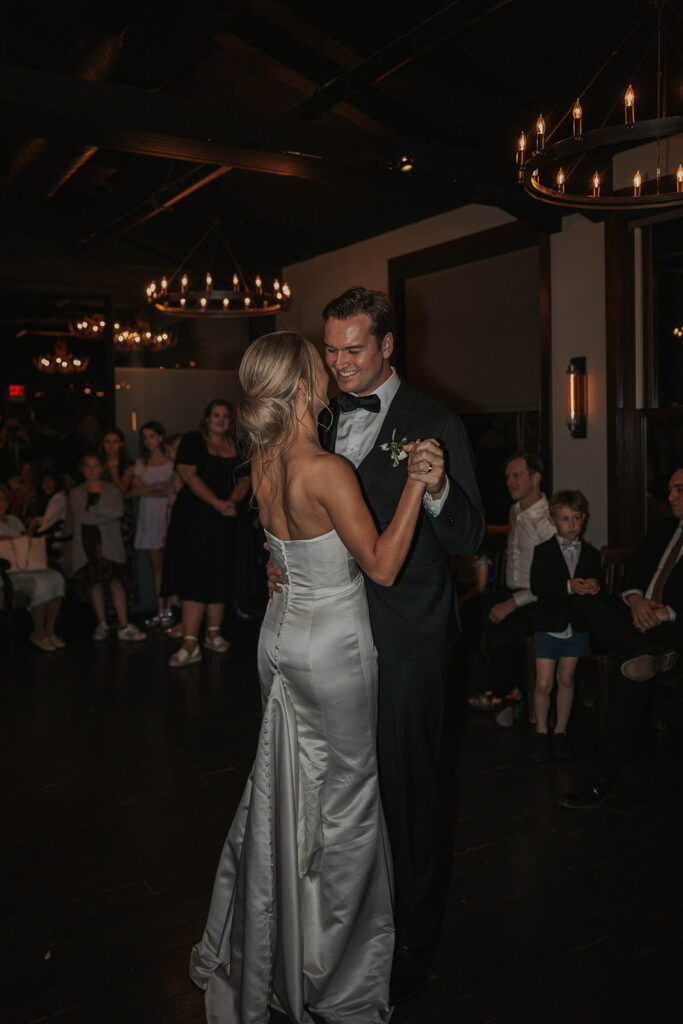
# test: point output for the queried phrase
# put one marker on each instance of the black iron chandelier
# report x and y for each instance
(552, 173)
(194, 293)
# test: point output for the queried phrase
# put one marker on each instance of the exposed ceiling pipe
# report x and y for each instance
(43, 167)
(160, 201)
(452, 19)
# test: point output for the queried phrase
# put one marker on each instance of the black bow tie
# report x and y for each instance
(348, 403)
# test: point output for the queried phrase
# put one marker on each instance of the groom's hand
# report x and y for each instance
(426, 463)
(276, 580)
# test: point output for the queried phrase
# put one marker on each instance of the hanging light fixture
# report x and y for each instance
(547, 172)
(126, 337)
(60, 360)
(206, 291)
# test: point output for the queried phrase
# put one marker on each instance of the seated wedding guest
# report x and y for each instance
(44, 587)
(644, 626)
(200, 549)
(98, 556)
(117, 468)
(510, 618)
(562, 565)
(52, 505)
(151, 484)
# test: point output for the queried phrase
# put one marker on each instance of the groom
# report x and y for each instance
(412, 620)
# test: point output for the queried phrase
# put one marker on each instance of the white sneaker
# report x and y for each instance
(101, 631)
(131, 632)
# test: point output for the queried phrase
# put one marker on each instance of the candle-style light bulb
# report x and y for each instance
(286, 290)
(259, 284)
(596, 184)
(540, 134)
(235, 281)
(247, 301)
(209, 282)
(629, 107)
(164, 284)
(679, 178)
(560, 180)
(183, 283)
(226, 303)
(276, 285)
(519, 157)
(577, 121)
(202, 302)
(637, 182)
(183, 301)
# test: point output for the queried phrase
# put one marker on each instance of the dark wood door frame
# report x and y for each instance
(471, 248)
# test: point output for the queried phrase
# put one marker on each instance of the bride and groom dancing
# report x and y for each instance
(303, 918)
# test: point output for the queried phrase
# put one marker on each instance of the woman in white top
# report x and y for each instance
(44, 588)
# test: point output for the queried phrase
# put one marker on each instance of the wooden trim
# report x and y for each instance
(545, 408)
(625, 425)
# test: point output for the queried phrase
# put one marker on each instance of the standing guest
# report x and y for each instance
(561, 566)
(200, 551)
(511, 614)
(98, 554)
(117, 468)
(412, 621)
(152, 483)
(44, 587)
(52, 506)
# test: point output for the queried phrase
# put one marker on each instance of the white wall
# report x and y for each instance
(314, 282)
(176, 398)
(577, 256)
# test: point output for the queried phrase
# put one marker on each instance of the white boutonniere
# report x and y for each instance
(395, 448)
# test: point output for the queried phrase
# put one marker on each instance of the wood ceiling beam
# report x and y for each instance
(47, 105)
(449, 21)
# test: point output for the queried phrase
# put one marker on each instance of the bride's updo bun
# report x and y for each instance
(270, 373)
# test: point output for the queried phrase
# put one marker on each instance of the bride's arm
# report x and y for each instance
(379, 555)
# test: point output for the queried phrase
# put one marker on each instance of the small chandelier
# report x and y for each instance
(196, 295)
(546, 172)
(125, 337)
(61, 360)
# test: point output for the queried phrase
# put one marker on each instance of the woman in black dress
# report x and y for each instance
(200, 548)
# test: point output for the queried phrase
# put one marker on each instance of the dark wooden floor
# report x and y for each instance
(119, 779)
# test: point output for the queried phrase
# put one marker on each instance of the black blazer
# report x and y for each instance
(413, 620)
(548, 582)
(642, 567)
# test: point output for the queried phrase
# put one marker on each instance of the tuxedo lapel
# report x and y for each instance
(377, 462)
(559, 560)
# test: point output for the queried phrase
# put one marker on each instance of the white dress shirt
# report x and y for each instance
(358, 430)
(528, 527)
(662, 560)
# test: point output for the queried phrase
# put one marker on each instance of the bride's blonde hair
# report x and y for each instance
(270, 373)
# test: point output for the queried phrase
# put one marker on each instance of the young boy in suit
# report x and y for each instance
(561, 566)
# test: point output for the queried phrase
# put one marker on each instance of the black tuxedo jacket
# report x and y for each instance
(548, 582)
(413, 620)
(640, 570)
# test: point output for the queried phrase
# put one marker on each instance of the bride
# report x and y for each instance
(300, 917)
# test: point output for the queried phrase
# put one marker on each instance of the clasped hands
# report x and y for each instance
(226, 507)
(427, 465)
(579, 585)
(647, 614)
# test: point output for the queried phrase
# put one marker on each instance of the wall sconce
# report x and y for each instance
(577, 404)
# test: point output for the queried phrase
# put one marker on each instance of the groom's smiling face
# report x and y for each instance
(356, 360)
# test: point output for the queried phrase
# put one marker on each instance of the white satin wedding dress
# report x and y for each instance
(300, 917)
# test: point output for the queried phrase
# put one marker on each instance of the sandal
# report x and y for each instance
(183, 656)
(216, 642)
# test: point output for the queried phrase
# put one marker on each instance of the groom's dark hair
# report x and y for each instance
(376, 305)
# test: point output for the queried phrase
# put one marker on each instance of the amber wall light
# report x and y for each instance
(577, 396)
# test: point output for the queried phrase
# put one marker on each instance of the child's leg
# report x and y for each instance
(566, 671)
(38, 616)
(156, 557)
(51, 613)
(97, 598)
(118, 597)
(545, 677)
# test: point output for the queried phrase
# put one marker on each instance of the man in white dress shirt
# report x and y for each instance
(511, 613)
